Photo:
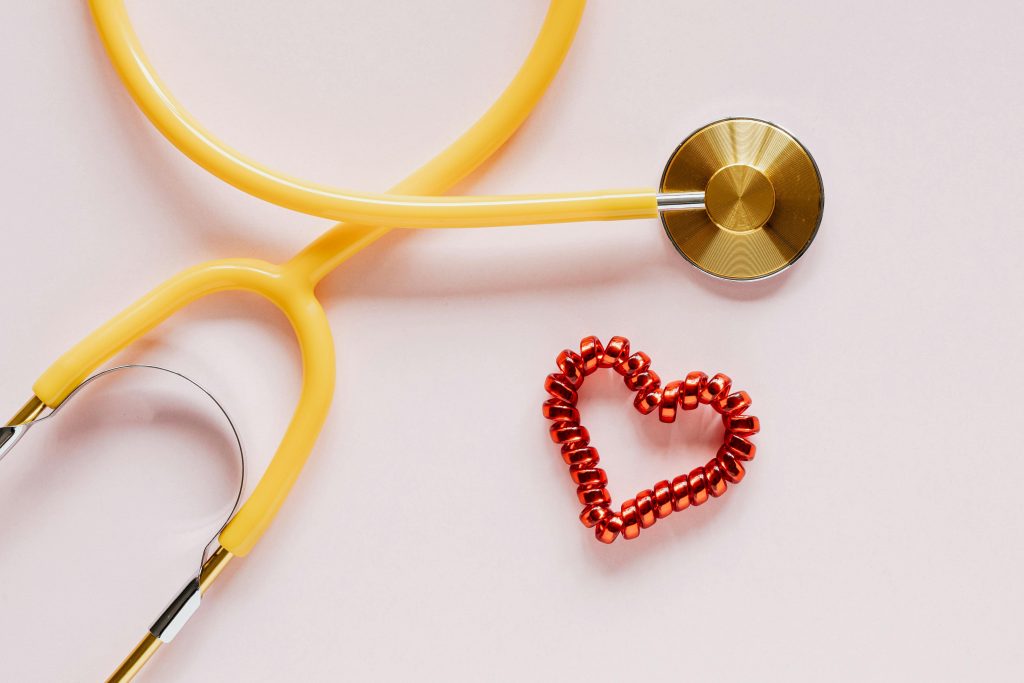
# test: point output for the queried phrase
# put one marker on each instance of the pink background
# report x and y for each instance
(878, 535)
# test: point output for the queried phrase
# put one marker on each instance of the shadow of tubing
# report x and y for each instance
(292, 293)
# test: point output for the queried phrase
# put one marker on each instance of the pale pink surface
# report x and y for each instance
(433, 536)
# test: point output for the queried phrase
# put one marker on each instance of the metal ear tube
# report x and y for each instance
(29, 412)
(186, 603)
(172, 619)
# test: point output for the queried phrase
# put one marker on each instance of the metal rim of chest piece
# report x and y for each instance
(763, 199)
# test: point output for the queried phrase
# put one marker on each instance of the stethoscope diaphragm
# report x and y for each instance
(763, 199)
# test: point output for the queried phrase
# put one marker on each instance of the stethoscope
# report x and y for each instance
(740, 198)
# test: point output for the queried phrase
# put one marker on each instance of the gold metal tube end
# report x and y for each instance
(28, 412)
(173, 618)
(213, 567)
(134, 662)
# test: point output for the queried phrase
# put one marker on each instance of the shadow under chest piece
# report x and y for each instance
(665, 497)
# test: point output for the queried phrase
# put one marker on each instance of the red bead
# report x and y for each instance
(669, 401)
(693, 386)
(732, 469)
(635, 364)
(717, 387)
(559, 386)
(607, 530)
(593, 485)
(716, 478)
(681, 493)
(592, 514)
(646, 402)
(569, 433)
(662, 499)
(599, 496)
(698, 486)
(733, 404)
(744, 425)
(591, 477)
(740, 447)
(645, 508)
(591, 351)
(630, 520)
(615, 352)
(560, 410)
(571, 365)
(586, 455)
(645, 381)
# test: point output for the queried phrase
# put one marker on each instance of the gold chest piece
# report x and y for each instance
(763, 199)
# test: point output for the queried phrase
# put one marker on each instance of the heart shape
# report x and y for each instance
(664, 498)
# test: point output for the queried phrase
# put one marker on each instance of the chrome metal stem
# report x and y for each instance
(677, 201)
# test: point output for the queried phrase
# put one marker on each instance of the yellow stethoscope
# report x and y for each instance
(740, 198)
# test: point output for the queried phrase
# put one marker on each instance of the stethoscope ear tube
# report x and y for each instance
(187, 602)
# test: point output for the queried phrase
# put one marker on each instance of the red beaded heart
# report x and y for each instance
(665, 497)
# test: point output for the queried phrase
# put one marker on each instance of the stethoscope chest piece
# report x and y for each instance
(763, 199)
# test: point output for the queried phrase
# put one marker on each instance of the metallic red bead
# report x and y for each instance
(693, 386)
(616, 351)
(633, 365)
(681, 493)
(591, 351)
(646, 402)
(669, 401)
(598, 496)
(643, 382)
(595, 485)
(645, 508)
(559, 386)
(740, 447)
(560, 410)
(571, 365)
(592, 514)
(733, 404)
(591, 477)
(662, 499)
(716, 387)
(732, 468)
(715, 478)
(744, 425)
(607, 530)
(569, 433)
(585, 455)
(698, 486)
(630, 520)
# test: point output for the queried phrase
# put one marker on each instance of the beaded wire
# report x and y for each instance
(646, 507)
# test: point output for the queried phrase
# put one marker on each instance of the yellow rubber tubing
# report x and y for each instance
(290, 287)
(344, 205)
(292, 294)
(471, 149)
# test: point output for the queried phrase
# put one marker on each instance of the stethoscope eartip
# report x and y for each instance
(763, 199)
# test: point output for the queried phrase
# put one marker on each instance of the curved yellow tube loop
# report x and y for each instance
(290, 287)
(472, 148)
(367, 208)
(293, 295)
